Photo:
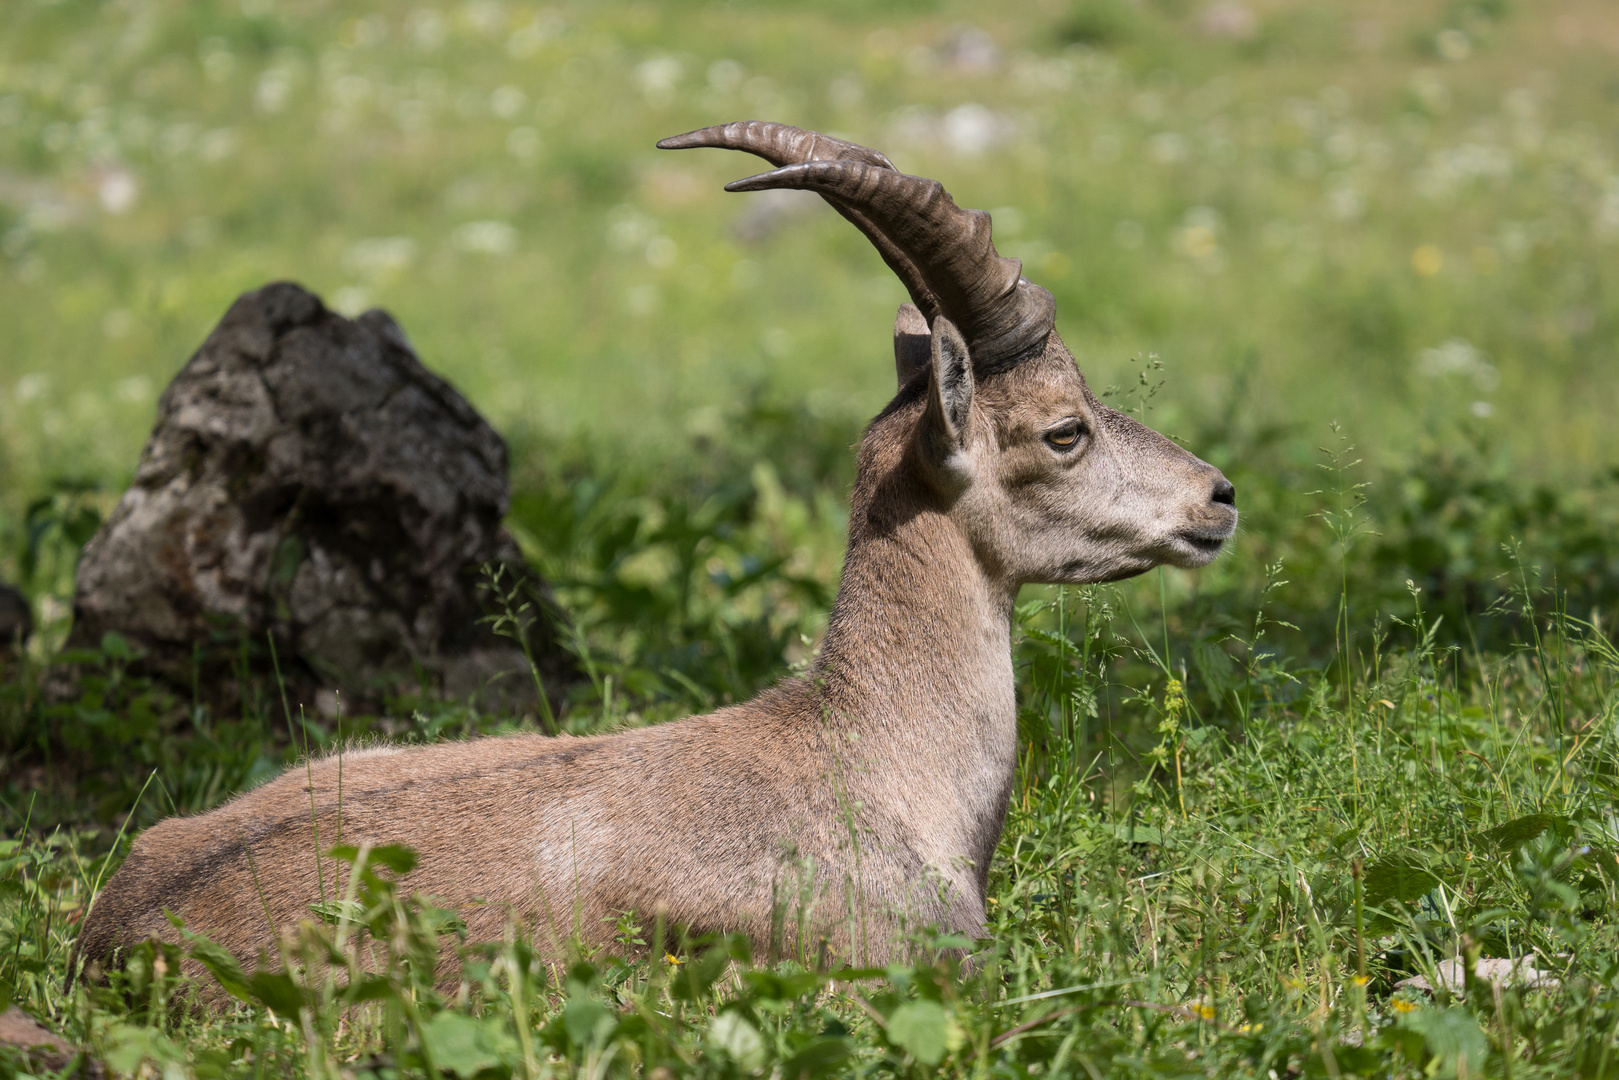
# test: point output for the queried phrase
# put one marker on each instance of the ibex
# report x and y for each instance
(883, 774)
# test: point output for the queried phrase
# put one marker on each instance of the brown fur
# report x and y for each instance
(888, 768)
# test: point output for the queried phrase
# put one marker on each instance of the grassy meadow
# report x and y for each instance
(1363, 256)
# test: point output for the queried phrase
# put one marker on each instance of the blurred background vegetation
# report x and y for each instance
(1401, 216)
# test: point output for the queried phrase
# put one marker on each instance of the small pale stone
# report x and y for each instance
(1489, 969)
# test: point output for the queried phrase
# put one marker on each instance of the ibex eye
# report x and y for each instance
(1065, 436)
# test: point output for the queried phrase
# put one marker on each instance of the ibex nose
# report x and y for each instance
(1224, 492)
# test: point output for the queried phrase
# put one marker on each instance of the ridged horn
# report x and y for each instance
(1004, 318)
(779, 144)
(783, 144)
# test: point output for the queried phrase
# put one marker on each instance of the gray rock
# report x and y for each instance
(310, 480)
(16, 618)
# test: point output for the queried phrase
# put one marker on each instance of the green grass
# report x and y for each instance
(1378, 734)
(1223, 889)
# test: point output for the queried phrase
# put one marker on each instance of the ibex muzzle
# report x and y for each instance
(993, 467)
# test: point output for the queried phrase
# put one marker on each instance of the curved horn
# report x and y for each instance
(1004, 318)
(779, 144)
(783, 144)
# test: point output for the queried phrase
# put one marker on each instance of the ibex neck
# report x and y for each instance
(919, 628)
(917, 667)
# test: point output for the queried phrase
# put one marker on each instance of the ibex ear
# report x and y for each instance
(912, 347)
(950, 395)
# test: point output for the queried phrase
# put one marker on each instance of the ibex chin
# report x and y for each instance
(882, 776)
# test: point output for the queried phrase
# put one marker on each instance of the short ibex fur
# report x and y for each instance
(883, 774)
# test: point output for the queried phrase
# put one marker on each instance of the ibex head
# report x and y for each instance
(993, 416)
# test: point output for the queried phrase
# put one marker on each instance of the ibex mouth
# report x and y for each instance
(1198, 548)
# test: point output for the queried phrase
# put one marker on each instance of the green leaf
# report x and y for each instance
(396, 857)
(1519, 831)
(223, 966)
(740, 1040)
(697, 977)
(1398, 877)
(1136, 834)
(466, 1046)
(783, 986)
(128, 1048)
(922, 1028)
(1451, 1034)
(277, 991)
(452, 1040)
(581, 1018)
(1402, 1041)
(370, 988)
(1358, 1060)
(333, 911)
(114, 645)
(819, 1057)
(853, 974)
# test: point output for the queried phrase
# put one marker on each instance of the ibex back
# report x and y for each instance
(883, 774)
